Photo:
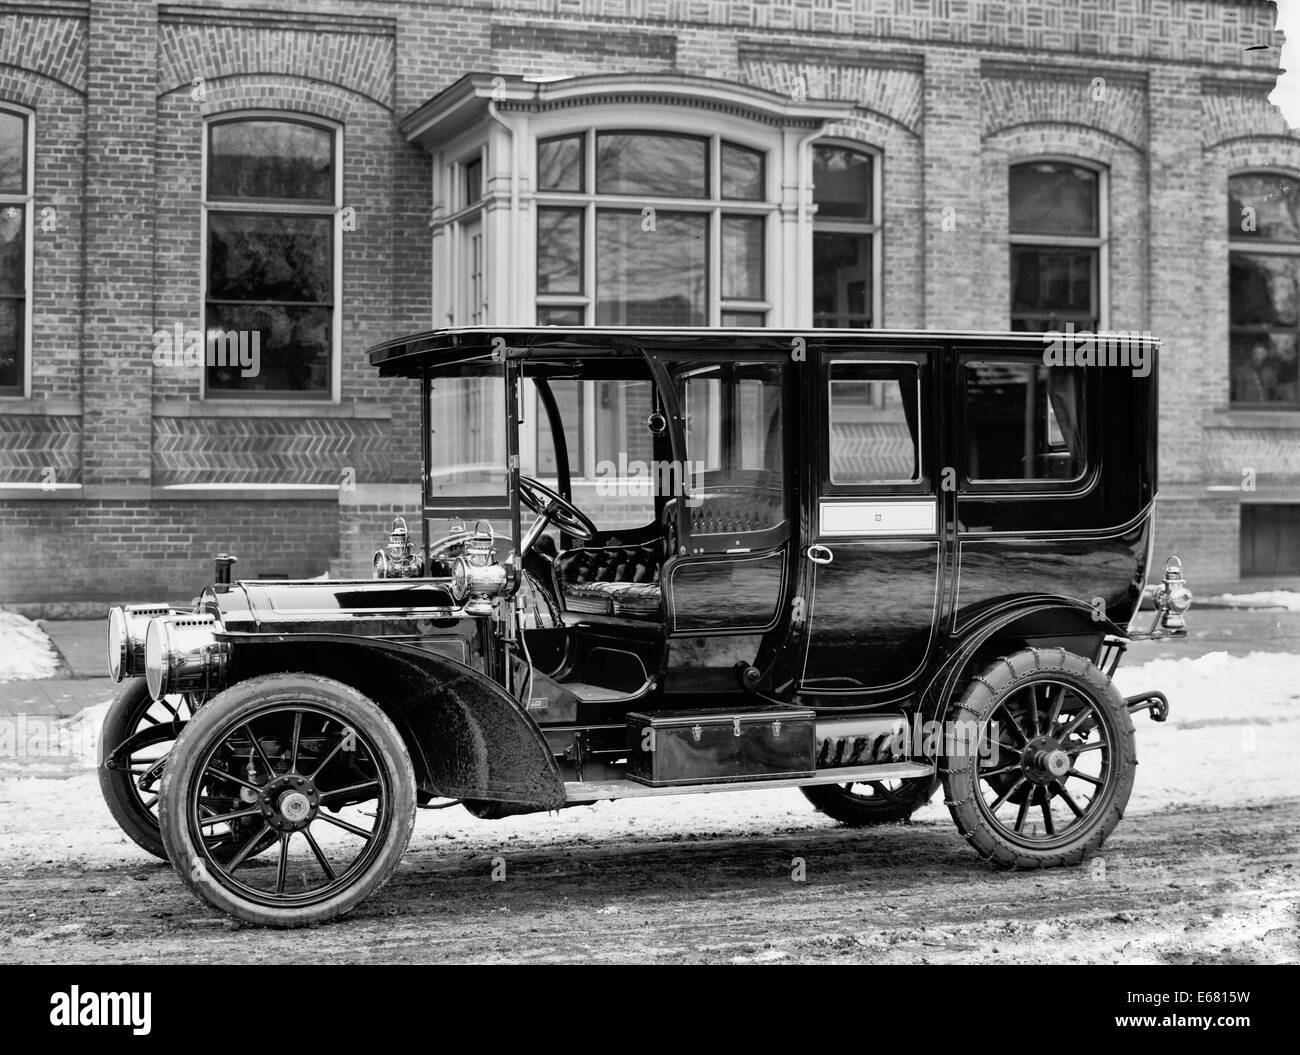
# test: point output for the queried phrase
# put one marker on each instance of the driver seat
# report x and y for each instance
(611, 580)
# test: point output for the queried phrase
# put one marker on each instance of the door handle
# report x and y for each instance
(819, 554)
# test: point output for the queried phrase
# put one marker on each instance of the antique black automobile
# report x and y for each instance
(661, 562)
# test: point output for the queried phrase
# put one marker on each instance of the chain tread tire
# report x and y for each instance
(849, 809)
(983, 695)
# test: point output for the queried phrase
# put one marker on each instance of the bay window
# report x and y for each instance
(648, 228)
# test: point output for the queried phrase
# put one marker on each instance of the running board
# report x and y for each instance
(596, 791)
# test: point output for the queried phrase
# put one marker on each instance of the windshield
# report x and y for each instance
(467, 466)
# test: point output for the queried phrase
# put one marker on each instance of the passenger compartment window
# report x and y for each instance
(1024, 421)
(735, 462)
(874, 423)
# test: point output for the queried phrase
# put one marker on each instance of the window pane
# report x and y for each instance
(256, 256)
(291, 342)
(744, 318)
(841, 279)
(654, 165)
(1053, 283)
(271, 159)
(742, 257)
(467, 448)
(1268, 204)
(569, 402)
(13, 154)
(1023, 422)
(874, 423)
(842, 183)
(651, 278)
(1264, 369)
(473, 174)
(12, 321)
(758, 418)
(559, 250)
(624, 448)
(1053, 197)
(559, 164)
(742, 173)
(550, 315)
(702, 406)
(1264, 290)
(13, 251)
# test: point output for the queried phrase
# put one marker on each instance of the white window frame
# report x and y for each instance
(335, 211)
(1100, 241)
(455, 227)
(875, 228)
(26, 201)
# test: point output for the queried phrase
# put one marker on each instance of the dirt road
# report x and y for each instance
(1190, 884)
(1204, 868)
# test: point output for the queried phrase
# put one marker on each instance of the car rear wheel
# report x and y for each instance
(1047, 763)
(872, 802)
(319, 769)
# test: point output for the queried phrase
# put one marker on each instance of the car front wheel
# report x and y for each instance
(318, 769)
(1046, 763)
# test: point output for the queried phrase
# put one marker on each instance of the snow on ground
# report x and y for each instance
(26, 652)
(1263, 599)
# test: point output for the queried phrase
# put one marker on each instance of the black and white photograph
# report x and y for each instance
(657, 482)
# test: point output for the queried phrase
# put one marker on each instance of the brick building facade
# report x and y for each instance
(420, 125)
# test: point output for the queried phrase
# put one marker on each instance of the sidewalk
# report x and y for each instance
(82, 681)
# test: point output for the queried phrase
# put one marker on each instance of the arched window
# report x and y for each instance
(1264, 289)
(846, 232)
(15, 250)
(1057, 228)
(270, 205)
(651, 228)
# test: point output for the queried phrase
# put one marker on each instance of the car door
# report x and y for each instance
(875, 551)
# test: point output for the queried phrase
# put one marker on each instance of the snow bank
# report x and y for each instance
(1263, 599)
(1217, 688)
(26, 652)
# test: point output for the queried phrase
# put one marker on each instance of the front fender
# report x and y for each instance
(468, 738)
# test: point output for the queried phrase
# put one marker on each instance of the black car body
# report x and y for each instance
(854, 560)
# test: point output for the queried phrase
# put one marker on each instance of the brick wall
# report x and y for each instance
(950, 94)
(113, 551)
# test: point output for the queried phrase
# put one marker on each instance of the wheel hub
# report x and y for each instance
(289, 803)
(1044, 760)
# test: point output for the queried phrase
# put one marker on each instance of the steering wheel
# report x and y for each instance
(552, 509)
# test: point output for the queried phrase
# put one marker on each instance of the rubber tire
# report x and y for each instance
(982, 696)
(230, 708)
(855, 811)
(117, 785)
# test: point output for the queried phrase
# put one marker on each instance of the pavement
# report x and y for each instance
(82, 680)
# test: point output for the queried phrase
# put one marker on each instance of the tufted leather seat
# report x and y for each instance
(605, 580)
(729, 512)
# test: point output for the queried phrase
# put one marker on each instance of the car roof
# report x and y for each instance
(407, 356)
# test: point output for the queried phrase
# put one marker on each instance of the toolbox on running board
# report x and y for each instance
(714, 747)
